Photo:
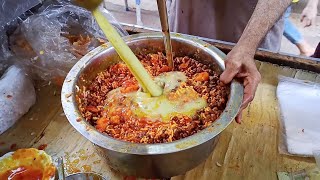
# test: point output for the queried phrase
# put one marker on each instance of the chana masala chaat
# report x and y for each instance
(193, 98)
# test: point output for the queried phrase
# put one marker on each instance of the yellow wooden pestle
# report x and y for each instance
(122, 48)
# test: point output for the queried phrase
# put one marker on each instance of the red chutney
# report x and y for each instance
(23, 173)
(42, 147)
(27, 164)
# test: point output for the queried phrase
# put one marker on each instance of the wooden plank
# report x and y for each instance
(304, 75)
(271, 72)
(317, 79)
(246, 151)
(31, 126)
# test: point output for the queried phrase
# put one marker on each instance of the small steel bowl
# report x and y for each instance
(149, 160)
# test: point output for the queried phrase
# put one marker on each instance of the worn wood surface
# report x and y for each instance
(246, 151)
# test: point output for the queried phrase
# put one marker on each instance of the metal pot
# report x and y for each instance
(149, 160)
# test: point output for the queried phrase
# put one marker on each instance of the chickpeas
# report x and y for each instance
(126, 126)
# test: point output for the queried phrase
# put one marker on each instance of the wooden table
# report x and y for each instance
(246, 151)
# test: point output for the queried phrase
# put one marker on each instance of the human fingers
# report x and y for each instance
(232, 69)
(239, 117)
(250, 87)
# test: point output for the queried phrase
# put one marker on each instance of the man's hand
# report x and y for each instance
(239, 61)
(309, 13)
(240, 64)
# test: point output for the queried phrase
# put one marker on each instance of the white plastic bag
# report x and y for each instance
(51, 41)
(299, 103)
(17, 95)
(4, 51)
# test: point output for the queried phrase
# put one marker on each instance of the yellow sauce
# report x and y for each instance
(177, 99)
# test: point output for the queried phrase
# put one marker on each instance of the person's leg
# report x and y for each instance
(168, 4)
(126, 4)
(295, 37)
(291, 32)
(305, 48)
(138, 12)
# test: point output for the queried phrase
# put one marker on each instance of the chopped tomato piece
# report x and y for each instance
(131, 88)
(92, 109)
(129, 82)
(184, 65)
(143, 122)
(102, 124)
(115, 120)
(165, 69)
(204, 76)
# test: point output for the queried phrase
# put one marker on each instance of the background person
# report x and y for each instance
(292, 33)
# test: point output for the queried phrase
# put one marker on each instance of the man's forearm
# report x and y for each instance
(266, 13)
(313, 3)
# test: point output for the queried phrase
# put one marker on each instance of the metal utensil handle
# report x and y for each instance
(162, 8)
(61, 169)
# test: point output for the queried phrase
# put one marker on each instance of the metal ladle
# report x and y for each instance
(162, 8)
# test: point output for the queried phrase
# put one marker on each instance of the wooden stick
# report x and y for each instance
(127, 55)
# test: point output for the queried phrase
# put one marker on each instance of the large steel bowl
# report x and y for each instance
(149, 160)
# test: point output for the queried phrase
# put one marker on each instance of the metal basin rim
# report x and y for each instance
(72, 113)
